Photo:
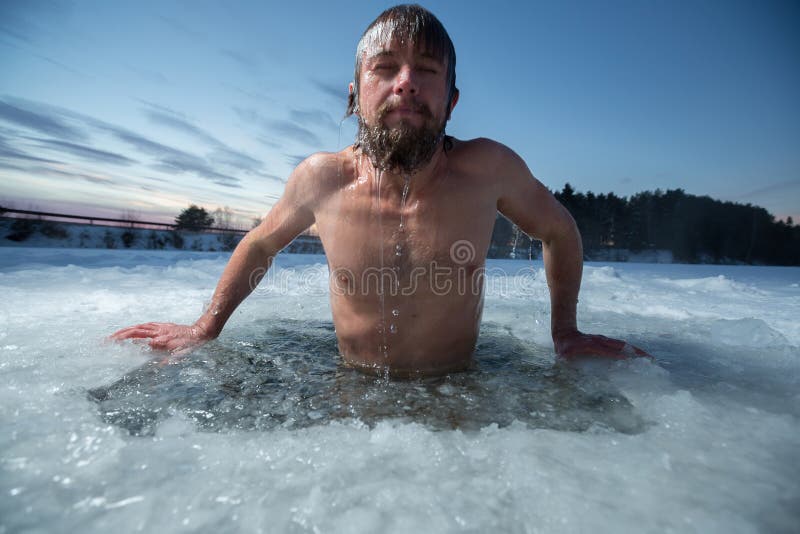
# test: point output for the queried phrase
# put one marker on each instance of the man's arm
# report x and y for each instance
(528, 203)
(291, 215)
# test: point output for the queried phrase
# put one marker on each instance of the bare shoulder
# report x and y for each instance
(324, 167)
(320, 175)
(484, 155)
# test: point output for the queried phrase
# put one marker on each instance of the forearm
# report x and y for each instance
(248, 264)
(563, 263)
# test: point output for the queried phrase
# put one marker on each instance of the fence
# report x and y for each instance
(44, 215)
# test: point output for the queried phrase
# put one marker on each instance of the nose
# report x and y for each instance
(405, 82)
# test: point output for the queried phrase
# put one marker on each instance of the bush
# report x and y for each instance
(21, 230)
(154, 241)
(194, 218)
(177, 240)
(84, 237)
(109, 240)
(227, 240)
(128, 237)
(53, 230)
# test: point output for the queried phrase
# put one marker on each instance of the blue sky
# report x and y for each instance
(108, 106)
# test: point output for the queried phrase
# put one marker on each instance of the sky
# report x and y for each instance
(112, 107)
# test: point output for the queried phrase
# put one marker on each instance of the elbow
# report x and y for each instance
(258, 247)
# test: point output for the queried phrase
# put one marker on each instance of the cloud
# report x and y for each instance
(169, 159)
(73, 175)
(273, 177)
(173, 120)
(7, 151)
(41, 170)
(243, 60)
(11, 166)
(152, 76)
(295, 132)
(38, 121)
(222, 153)
(175, 24)
(255, 95)
(235, 159)
(336, 91)
(295, 159)
(772, 188)
(313, 117)
(268, 142)
(83, 151)
(283, 128)
(63, 66)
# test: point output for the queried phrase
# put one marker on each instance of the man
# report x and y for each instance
(405, 216)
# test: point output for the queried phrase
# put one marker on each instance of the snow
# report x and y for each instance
(90, 236)
(263, 431)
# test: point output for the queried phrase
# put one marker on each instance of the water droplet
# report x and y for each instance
(393, 328)
(396, 312)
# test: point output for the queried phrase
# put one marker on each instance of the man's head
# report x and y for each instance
(403, 89)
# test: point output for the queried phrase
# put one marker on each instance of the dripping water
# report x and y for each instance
(384, 348)
(398, 250)
(513, 254)
(407, 179)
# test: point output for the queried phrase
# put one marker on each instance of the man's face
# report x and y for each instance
(400, 84)
(402, 104)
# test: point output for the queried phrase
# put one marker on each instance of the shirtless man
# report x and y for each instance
(405, 216)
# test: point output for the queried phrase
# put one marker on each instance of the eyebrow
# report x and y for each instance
(388, 54)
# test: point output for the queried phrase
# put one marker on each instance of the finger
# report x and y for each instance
(144, 326)
(595, 346)
(122, 333)
(641, 353)
(135, 334)
(596, 351)
(181, 351)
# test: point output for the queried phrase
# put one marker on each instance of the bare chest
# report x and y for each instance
(406, 241)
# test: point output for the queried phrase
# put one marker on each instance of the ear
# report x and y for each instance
(453, 103)
(352, 105)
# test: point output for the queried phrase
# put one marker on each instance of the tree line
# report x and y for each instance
(694, 228)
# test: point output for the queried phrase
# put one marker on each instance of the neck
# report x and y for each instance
(395, 178)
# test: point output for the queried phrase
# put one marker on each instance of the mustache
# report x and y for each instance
(418, 107)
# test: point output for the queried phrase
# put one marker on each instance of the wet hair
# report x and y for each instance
(407, 23)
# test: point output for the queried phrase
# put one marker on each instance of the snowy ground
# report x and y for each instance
(263, 431)
(74, 235)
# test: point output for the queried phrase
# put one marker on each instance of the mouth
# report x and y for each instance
(404, 111)
(408, 110)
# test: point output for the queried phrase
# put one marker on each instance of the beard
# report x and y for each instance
(404, 149)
